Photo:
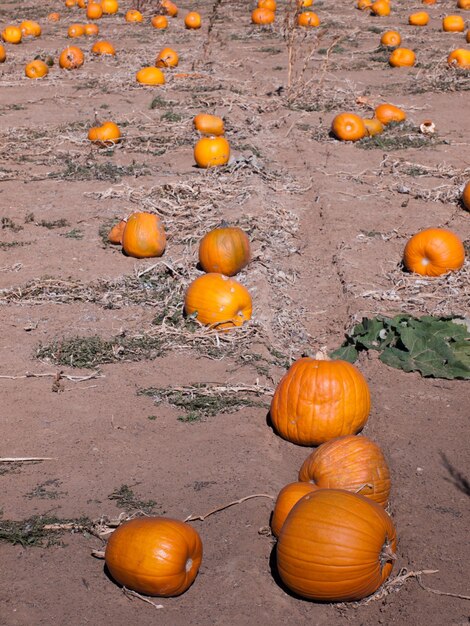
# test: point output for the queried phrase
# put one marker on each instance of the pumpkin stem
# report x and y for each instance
(322, 354)
(387, 554)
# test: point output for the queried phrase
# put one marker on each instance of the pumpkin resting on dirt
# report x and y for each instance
(308, 18)
(167, 58)
(12, 34)
(192, 21)
(319, 399)
(433, 252)
(373, 126)
(116, 232)
(391, 39)
(30, 29)
(3, 54)
(212, 152)
(134, 16)
(263, 16)
(354, 463)
(218, 301)
(336, 546)
(453, 24)
(36, 69)
(156, 556)
(285, 502)
(459, 57)
(418, 19)
(466, 196)
(110, 6)
(144, 236)
(107, 133)
(402, 57)
(388, 113)
(208, 124)
(103, 48)
(150, 76)
(160, 22)
(71, 58)
(348, 127)
(224, 250)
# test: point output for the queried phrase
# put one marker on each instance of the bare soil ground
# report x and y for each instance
(328, 223)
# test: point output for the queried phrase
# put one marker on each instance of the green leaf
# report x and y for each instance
(346, 353)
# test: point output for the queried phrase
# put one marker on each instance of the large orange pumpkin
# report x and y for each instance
(285, 502)
(110, 6)
(103, 48)
(192, 21)
(36, 69)
(388, 113)
(169, 7)
(433, 252)
(267, 4)
(144, 236)
(263, 16)
(354, 463)
(71, 58)
(134, 16)
(75, 30)
(91, 30)
(30, 29)
(94, 11)
(381, 8)
(418, 19)
(402, 57)
(108, 133)
(348, 127)
(211, 152)
(453, 24)
(319, 399)
(12, 34)
(218, 301)
(225, 250)
(159, 21)
(336, 546)
(150, 76)
(308, 18)
(156, 556)
(459, 57)
(208, 124)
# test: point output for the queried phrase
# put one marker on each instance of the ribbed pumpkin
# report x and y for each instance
(218, 301)
(108, 133)
(156, 556)
(319, 399)
(144, 236)
(285, 502)
(433, 252)
(208, 124)
(353, 463)
(348, 127)
(336, 546)
(225, 250)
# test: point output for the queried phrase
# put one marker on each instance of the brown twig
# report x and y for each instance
(192, 518)
(57, 376)
(26, 459)
(134, 594)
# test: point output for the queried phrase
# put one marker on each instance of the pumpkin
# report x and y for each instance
(225, 250)
(30, 29)
(3, 54)
(460, 57)
(156, 556)
(110, 6)
(319, 399)
(263, 16)
(402, 57)
(134, 16)
(70, 3)
(304, 3)
(103, 48)
(362, 5)
(169, 7)
(467, 38)
(150, 76)
(463, 4)
(167, 58)
(82, 4)
(286, 500)
(192, 20)
(453, 24)
(433, 252)
(348, 127)
(144, 236)
(212, 152)
(418, 19)
(218, 301)
(336, 546)
(308, 18)
(428, 1)
(373, 126)
(91, 30)
(116, 232)
(12, 34)
(71, 58)
(391, 39)
(209, 124)
(466, 196)
(267, 4)
(94, 11)
(353, 463)
(75, 30)
(53, 17)
(380, 8)
(388, 113)
(159, 21)
(108, 133)
(36, 69)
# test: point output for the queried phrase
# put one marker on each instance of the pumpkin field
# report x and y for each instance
(235, 303)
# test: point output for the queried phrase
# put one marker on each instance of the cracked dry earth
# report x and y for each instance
(328, 222)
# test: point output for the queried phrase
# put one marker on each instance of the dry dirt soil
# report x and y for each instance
(328, 222)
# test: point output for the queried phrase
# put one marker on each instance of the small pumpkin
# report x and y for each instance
(388, 113)
(352, 462)
(348, 127)
(108, 133)
(12, 34)
(150, 76)
(373, 126)
(459, 57)
(453, 24)
(192, 20)
(218, 301)
(70, 3)
(36, 69)
(467, 38)
(285, 502)
(75, 30)
(381, 8)
(336, 546)
(30, 29)
(303, 4)
(71, 58)
(319, 399)
(391, 39)
(94, 11)
(262, 16)
(91, 30)
(144, 236)
(362, 5)
(110, 7)
(134, 16)
(308, 18)
(418, 19)
(402, 57)
(3, 54)
(225, 250)
(466, 196)
(463, 4)
(428, 1)
(211, 152)
(156, 556)
(103, 48)
(167, 58)
(53, 17)
(160, 22)
(434, 251)
(169, 7)
(208, 124)
(116, 232)
(267, 4)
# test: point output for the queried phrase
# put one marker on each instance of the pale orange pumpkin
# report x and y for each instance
(91, 30)
(12, 34)
(156, 556)
(418, 19)
(144, 236)
(116, 232)
(71, 58)
(208, 124)
(169, 7)
(218, 301)
(348, 127)
(211, 152)
(225, 250)
(335, 546)
(192, 20)
(373, 126)
(388, 113)
(352, 462)
(167, 58)
(285, 502)
(263, 16)
(308, 18)
(459, 57)
(150, 76)
(53, 17)
(453, 24)
(402, 57)
(108, 133)
(391, 39)
(110, 7)
(103, 48)
(75, 30)
(134, 16)
(30, 29)
(433, 252)
(159, 21)
(381, 8)
(36, 69)
(319, 399)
